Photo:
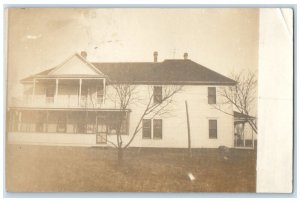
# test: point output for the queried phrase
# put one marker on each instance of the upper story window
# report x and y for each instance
(100, 94)
(213, 129)
(50, 91)
(157, 94)
(212, 95)
(84, 91)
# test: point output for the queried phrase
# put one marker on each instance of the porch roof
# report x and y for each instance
(67, 109)
(238, 117)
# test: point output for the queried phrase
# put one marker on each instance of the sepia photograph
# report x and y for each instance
(133, 99)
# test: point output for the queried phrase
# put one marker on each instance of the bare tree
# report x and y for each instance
(242, 96)
(128, 96)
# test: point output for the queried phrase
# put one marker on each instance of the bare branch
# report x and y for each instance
(241, 96)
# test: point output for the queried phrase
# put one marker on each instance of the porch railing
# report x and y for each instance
(62, 101)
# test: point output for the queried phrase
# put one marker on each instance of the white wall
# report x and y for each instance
(175, 123)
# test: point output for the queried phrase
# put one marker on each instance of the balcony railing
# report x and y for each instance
(62, 101)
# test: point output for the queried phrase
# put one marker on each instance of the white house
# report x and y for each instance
(72, 104)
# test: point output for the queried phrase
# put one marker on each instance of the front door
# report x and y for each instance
(101, 130)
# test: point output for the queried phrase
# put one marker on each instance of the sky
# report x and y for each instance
(224, 40)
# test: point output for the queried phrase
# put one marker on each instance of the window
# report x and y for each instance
(61, 123)
(211, 95)
(81, 128)
(117, 121)
(100, 95)
(146, 128)
(40, 122)
(50, 94)
(213, 129)
(157, 94)
(84, 96)
(157, 129)
(124, 125)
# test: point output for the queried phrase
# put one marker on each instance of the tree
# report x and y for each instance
(127, 96)
(242, 96)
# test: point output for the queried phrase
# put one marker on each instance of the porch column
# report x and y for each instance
(79, 96)
(56, 90)
(104, 91)
(244, 141)
(20, 121)
(33, 90)
(67, 120)
(47, 119)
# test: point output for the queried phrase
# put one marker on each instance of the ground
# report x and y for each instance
(94, 169)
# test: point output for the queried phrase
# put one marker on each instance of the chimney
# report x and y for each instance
(185, 56)
(83, 54)
(155, 54)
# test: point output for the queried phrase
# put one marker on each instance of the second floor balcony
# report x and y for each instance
(63, 93)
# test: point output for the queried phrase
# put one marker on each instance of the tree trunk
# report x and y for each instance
(120, 156)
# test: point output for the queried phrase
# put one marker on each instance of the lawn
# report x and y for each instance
(94, 169)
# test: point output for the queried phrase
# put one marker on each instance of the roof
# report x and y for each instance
(167, 72)
(238, 115)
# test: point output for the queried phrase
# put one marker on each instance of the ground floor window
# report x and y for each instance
(213, 129)
(157, 128)
(146, 128)
(152, 126)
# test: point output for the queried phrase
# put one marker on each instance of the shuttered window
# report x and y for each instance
(50, 91)
(211, 95)
(157, 94)
(213, 129)
(146, 128)
(157, 128)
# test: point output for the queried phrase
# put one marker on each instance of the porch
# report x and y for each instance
(244, 136)
(60, 126)
(65, 92)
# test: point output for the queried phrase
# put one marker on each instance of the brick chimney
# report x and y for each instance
(185, 56)
(155, 55)
(83, 54)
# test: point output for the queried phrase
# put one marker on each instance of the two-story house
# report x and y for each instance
(72, 104)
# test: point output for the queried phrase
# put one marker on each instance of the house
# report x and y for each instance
(72, 104)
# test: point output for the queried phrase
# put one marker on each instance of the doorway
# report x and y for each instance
(101, 130)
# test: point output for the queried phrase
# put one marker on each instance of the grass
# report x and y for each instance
(94, 169)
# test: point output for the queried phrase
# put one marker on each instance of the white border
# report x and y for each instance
(218, 3)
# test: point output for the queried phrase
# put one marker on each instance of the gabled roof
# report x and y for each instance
(83, 61)
(167, 72)
(64, 70)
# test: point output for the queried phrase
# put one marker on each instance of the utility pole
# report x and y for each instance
(188, 127)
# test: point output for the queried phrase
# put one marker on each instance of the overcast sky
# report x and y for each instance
(223, 40)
